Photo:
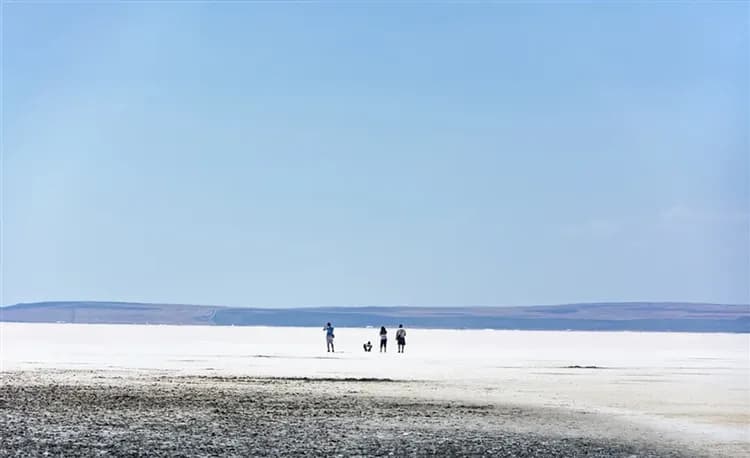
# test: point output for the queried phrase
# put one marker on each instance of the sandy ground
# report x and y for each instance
(132, 390)
(91, 413)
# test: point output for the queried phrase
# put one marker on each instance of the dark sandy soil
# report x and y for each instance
(175, 416)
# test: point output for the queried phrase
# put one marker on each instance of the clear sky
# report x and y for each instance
(373, 154)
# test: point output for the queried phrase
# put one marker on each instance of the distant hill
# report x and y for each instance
(632, 316)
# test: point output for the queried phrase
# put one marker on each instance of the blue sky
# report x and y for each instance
(405, 154)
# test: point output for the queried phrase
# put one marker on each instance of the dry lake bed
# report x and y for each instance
(123, 390)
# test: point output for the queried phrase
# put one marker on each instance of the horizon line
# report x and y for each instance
(295, 307)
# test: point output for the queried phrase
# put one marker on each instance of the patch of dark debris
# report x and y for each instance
(188, 419)
(584, 367)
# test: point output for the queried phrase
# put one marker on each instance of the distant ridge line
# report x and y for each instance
(604, 316)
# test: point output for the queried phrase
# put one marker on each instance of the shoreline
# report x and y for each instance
(743, 331)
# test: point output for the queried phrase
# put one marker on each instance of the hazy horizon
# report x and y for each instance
(194, 304)
(282, 155)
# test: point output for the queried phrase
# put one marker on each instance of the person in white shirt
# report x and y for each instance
(401, 338)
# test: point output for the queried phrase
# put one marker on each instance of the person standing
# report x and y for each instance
(383, 339)
(329, 337)
(401, 338)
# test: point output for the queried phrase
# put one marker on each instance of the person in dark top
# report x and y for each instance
(367, 346)
(401, 338)
(383, 339)
(329, 336)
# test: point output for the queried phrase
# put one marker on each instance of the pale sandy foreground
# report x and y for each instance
(90, 389)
